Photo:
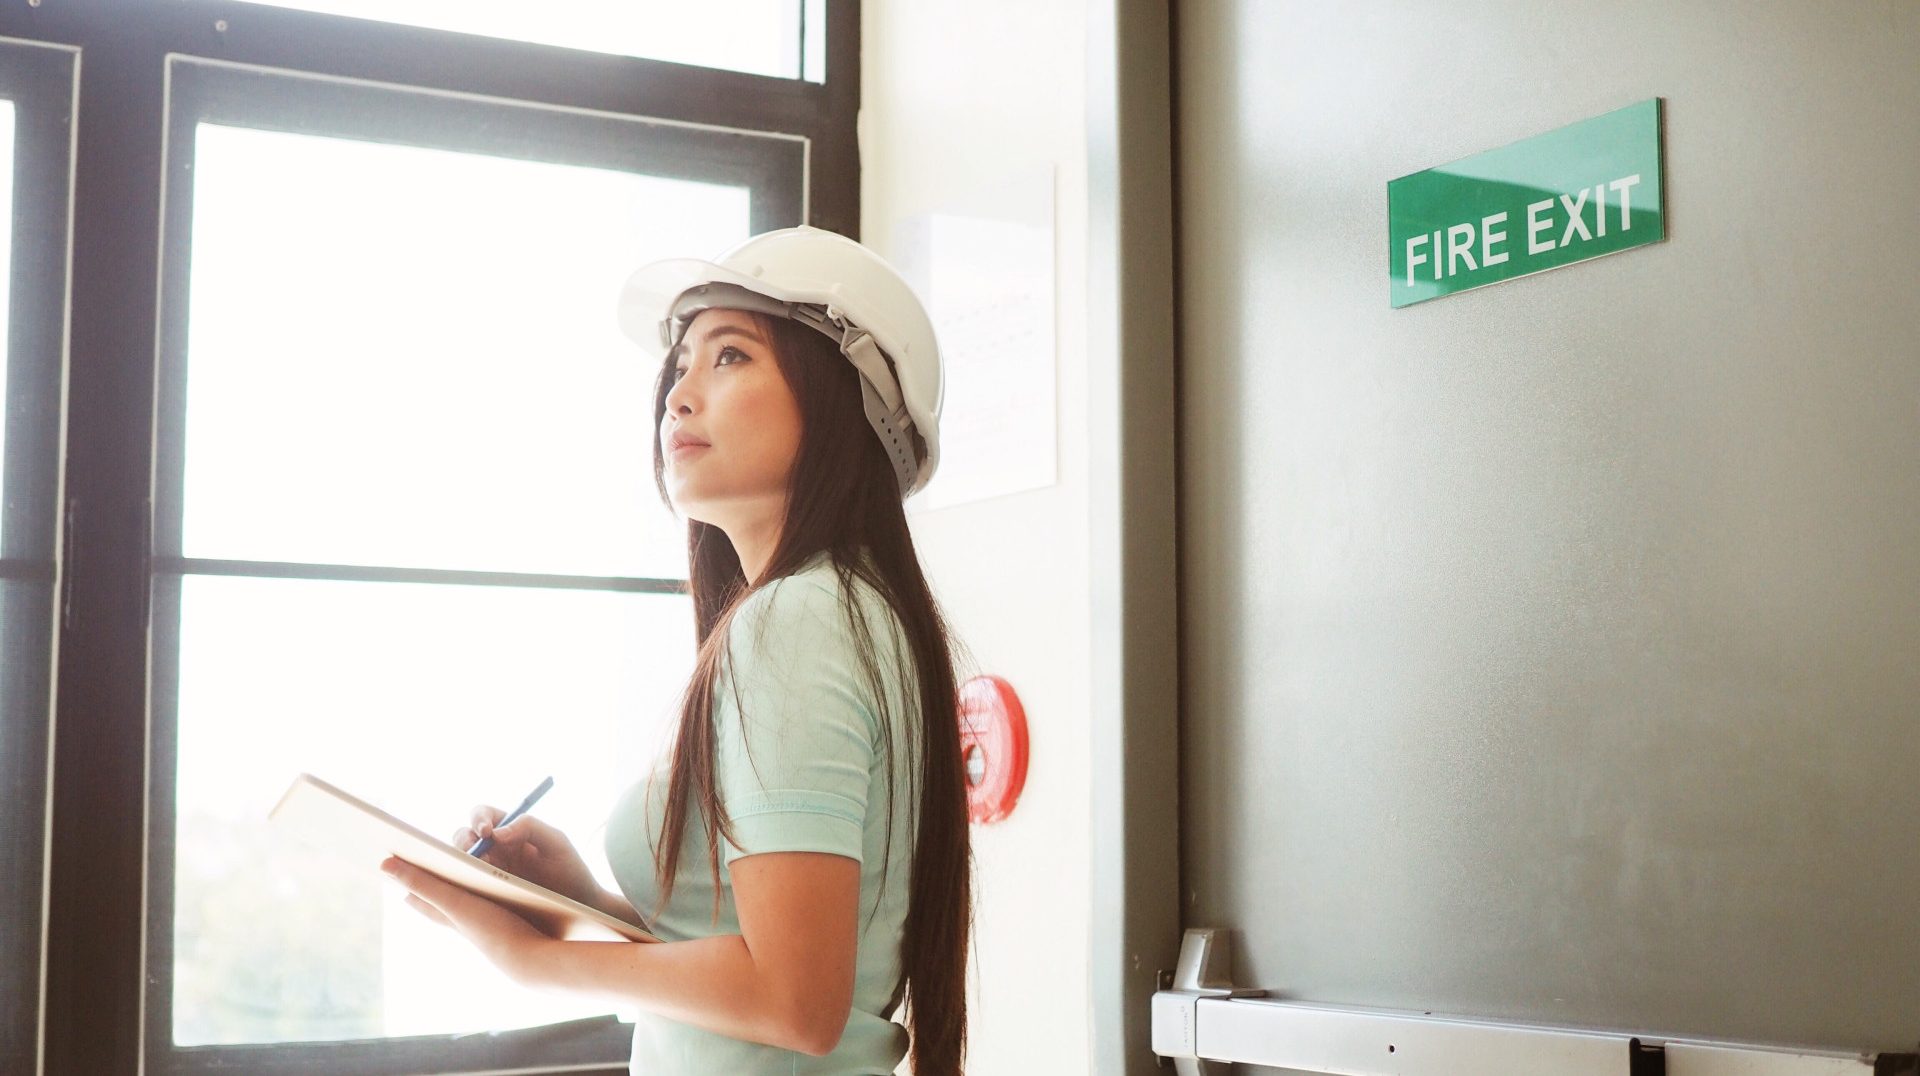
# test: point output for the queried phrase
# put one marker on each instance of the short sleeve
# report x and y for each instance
(794, 725)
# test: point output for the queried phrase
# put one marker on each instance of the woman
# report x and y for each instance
(803, 853)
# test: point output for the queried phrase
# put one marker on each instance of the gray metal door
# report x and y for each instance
(1551, 652)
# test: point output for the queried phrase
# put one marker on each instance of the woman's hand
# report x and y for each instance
(508, 941)
(535, 851)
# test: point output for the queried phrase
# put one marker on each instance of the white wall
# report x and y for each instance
(956, 98)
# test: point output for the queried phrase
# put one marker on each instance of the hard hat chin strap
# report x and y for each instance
(880, 394)
(879, 390)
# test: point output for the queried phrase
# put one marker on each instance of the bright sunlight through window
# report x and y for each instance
(6, 257)
(401, 356)
(759, 37)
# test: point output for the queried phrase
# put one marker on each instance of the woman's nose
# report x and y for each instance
(681, 396)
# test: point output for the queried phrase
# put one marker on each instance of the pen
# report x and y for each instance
(480, 846)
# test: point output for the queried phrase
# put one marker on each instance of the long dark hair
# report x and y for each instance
(845, 501)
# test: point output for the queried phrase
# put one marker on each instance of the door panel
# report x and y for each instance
(1548, 648)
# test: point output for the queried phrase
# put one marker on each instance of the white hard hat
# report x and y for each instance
(834, 285)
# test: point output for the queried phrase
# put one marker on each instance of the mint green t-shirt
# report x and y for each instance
(800, 765)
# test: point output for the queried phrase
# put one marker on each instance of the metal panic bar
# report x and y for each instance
(1202, 1022)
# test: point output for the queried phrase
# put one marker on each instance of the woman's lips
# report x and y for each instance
(683, 448)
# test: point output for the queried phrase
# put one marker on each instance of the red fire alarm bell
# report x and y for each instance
(993, 747)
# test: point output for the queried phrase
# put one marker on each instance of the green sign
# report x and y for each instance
(1587, 189)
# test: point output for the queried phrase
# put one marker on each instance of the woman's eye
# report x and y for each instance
(730, 355)
(678, 373)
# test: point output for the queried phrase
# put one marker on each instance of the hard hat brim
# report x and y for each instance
(652, 289)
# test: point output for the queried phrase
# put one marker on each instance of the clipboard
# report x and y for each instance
(317, 813)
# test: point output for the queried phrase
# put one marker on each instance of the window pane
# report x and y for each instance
(814, 65)
(408, 356)
(19, 828)
(759, 37)
(23, 708)
(6, 261)
(426, 700)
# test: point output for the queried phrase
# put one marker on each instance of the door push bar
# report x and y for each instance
(1203, 1022)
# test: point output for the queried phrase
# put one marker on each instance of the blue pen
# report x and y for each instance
(481, 846)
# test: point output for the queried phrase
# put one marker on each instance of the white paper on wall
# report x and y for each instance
(987, 280)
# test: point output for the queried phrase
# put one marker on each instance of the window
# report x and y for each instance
(36, 109)
(359, 483)
(418, 548)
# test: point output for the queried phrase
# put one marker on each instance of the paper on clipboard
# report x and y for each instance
(320, 814)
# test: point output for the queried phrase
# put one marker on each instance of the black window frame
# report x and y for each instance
(40, 81)
(120, 575)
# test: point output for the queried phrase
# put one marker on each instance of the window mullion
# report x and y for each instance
(99, 783)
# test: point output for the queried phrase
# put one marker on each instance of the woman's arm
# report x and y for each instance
(786, 979)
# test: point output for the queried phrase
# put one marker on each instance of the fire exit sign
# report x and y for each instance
(1588, 189)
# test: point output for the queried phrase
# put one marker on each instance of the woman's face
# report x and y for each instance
(732, 427)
